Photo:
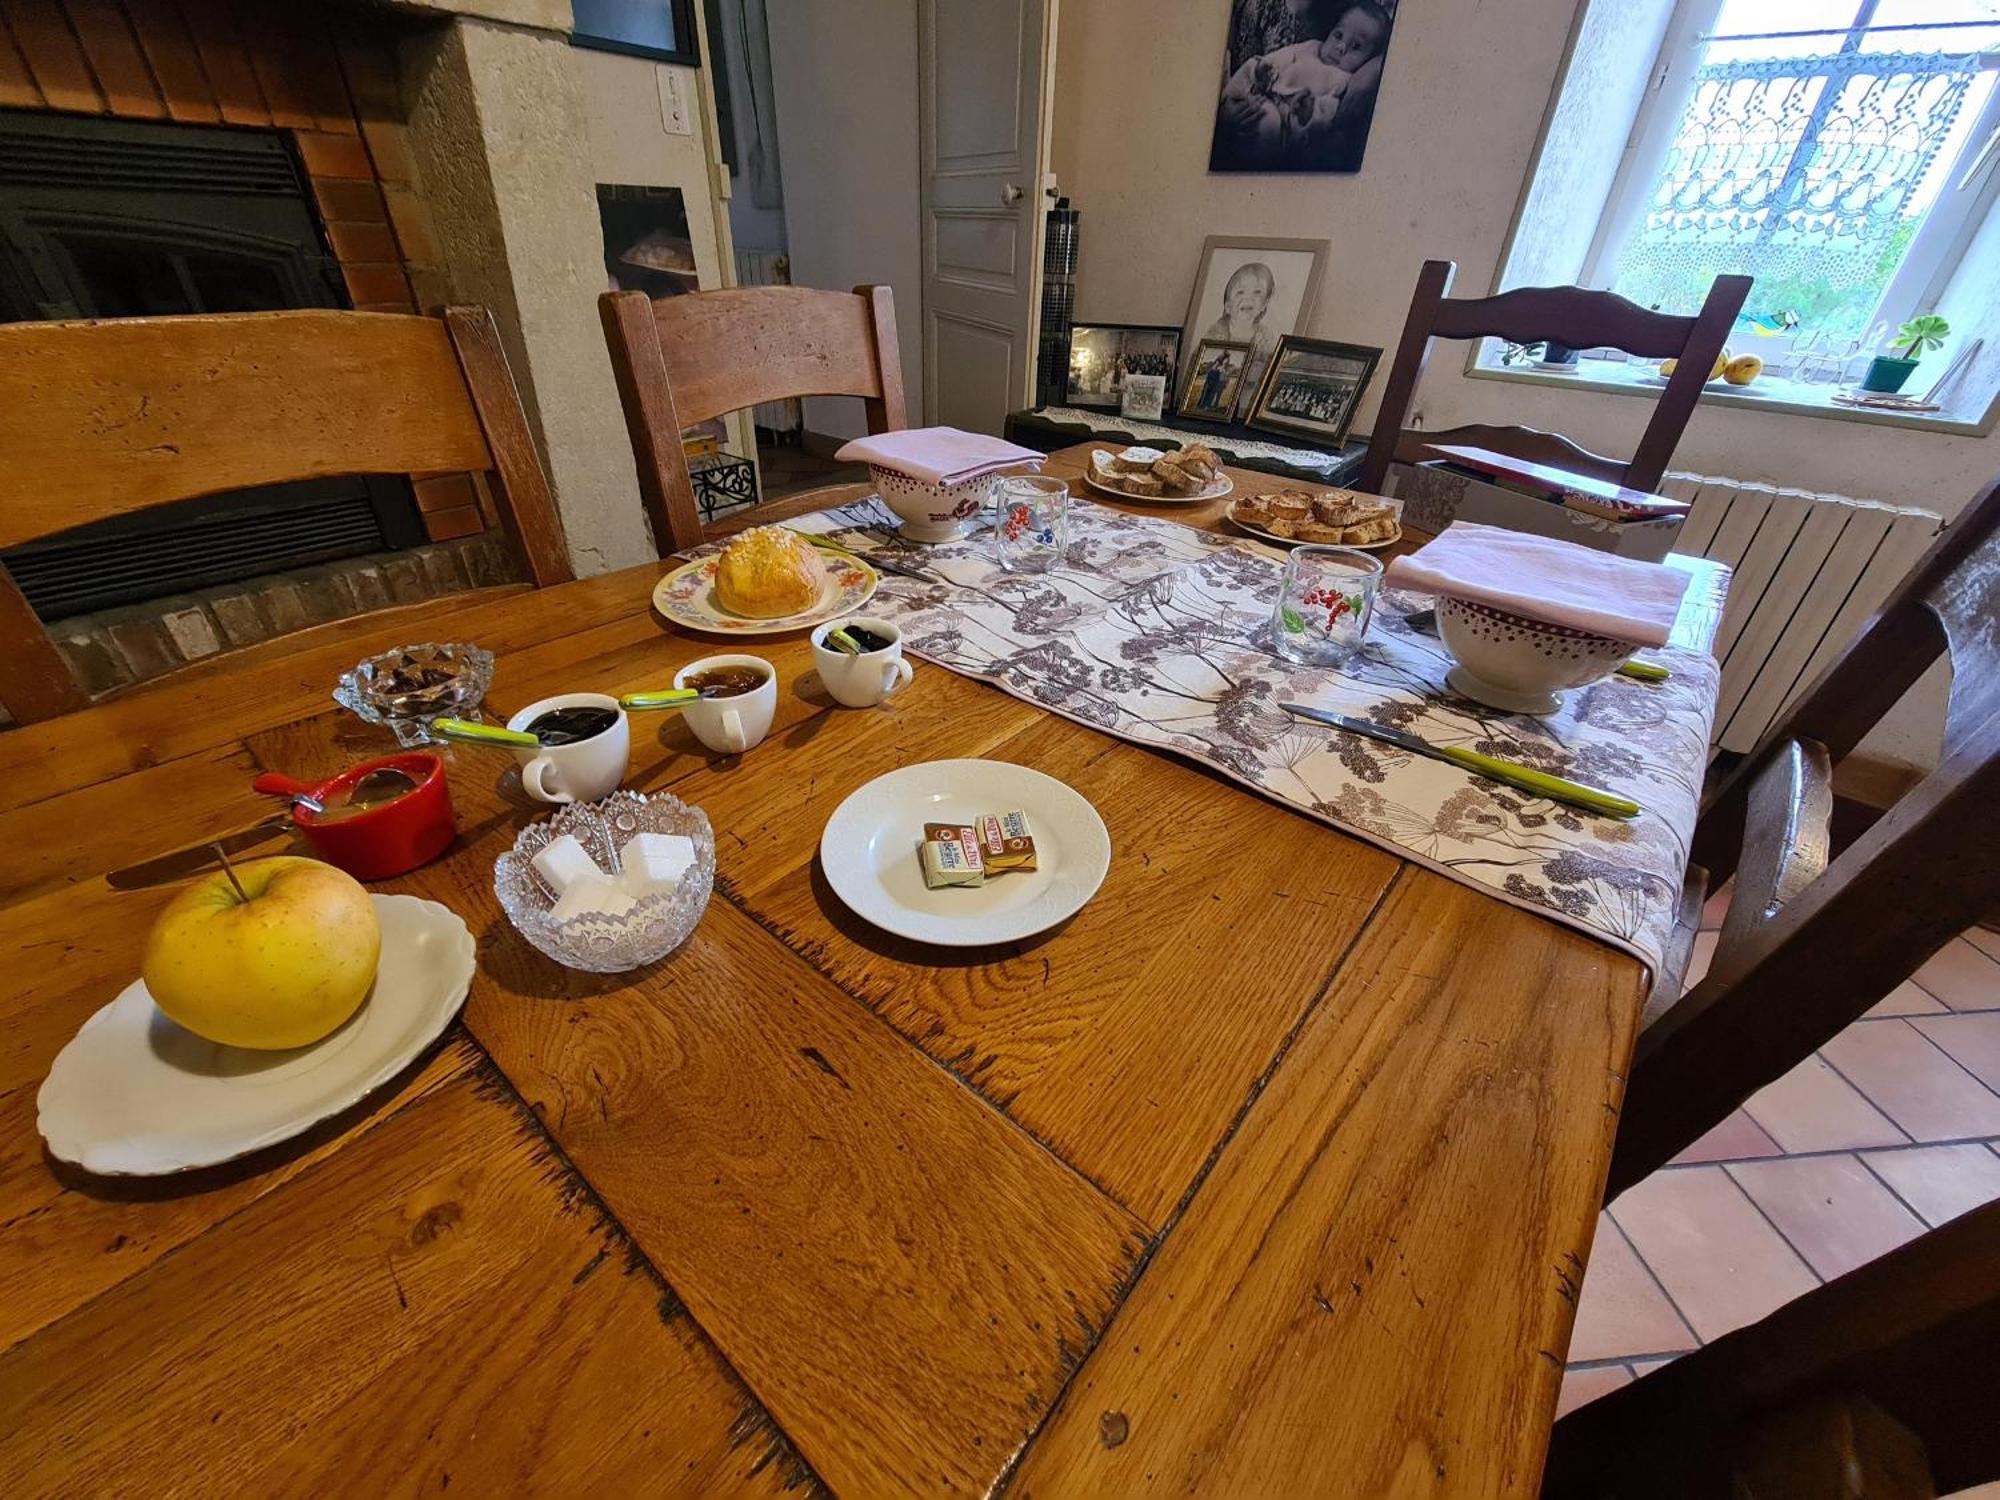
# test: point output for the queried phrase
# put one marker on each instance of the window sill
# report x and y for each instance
(1772, 393)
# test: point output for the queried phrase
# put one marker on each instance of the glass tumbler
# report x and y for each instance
(1324, 603)
(1030, 521)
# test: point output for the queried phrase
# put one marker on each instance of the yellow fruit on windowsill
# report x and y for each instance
(1743, 369)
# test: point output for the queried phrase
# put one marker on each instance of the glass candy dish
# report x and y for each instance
(605, 944)
(408, 687)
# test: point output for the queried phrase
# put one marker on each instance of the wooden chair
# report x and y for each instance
(105, 418)
(1570, 315)
(1809, 945)
(1879, 1384)
(683, 360)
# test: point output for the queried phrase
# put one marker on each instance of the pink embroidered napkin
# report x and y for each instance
(1556, 582)
(937, 455)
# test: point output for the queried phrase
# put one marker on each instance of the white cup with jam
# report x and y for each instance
(861, 679)
(739, 698)
(586, 743)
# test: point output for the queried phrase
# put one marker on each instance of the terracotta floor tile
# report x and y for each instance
(1832, 1209)
(1914, 1083)
(1581, 1386)
(1644, 1367)
(1812, 1108)
(1717, 1256)
(1735, 1139)
(1962, 977)
(1907, 999)
(1984, 939)
(1622, 1311)
(1939, 1182)
(1699, 959)
(1716, 907)
(1974, 1040)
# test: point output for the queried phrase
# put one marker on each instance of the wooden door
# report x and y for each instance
(986, 68)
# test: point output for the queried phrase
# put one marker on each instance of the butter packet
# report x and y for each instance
(951, 856)
(1005, 843)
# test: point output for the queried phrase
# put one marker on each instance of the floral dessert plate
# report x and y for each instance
(870, 852)
(686, 596)
(1215, 489)
(135, 1095)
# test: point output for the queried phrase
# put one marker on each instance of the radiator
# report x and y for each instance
(771, 268)
(1809, 571)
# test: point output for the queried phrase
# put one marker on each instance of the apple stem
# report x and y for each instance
(241, 894)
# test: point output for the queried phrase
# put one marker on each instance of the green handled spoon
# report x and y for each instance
(465, 732)
(661, 698)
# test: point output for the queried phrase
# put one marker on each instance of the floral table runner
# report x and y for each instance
(1159, 633)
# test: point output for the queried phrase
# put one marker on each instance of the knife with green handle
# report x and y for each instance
(1527, 778)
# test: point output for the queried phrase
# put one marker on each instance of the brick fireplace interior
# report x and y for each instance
(176, 156)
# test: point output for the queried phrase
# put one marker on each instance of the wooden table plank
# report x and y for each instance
(1371, 1293)
(438, 1305)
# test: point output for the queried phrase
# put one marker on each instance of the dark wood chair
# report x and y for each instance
(105, 418)
(1571, 315)
(683, 360)
(1879, 1384)
(1810, 944)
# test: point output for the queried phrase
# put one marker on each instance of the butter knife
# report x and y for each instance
(874, 560)
(197, 857)
(1527, 778)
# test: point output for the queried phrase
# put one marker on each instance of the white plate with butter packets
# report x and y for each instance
(871, 852)
(135, 1095)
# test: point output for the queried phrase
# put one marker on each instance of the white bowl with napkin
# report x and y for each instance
(935, 478)
(1527, 616)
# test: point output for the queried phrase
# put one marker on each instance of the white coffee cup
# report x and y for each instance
(731, 725)
(582, 771)
(861, 681)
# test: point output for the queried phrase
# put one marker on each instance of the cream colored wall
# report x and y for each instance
(1462, 100)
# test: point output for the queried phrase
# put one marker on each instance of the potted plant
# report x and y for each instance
(1887, 372)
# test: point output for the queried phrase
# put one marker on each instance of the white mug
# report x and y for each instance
(579, 772)
(861, 681)
(731, 725)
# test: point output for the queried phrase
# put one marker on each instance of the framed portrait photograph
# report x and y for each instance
(1101, 355)
(1145, 397)
(1215, 379)
(1311, 388)
(1253, 290)
(1299, 79)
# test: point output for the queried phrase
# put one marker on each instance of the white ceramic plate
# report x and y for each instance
(1215, 489)
(687, 597)
(869, 852)
(134, 1095)
(1294, 541)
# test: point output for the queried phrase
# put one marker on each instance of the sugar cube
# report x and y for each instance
(649, 862)
(595, 895)
(563, 863)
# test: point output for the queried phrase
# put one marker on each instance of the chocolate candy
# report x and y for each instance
(951, 856)
(1005, 843)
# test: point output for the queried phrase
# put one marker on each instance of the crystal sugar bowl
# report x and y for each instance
(599, 941)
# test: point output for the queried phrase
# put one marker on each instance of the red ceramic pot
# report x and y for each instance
(391, 839)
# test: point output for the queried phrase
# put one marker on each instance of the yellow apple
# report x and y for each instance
(1743, 369)
(281, 965)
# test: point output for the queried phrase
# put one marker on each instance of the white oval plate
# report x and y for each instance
(1215, 489)
(869, 852)
(135, 1095)
(687, 597)
(1297, 541)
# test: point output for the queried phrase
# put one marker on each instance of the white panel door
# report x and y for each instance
(984, 76)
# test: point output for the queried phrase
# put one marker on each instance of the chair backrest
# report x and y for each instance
(1809, 952)
(1571, 315)
(1879, 1383)
(105, 418)
(683, 360)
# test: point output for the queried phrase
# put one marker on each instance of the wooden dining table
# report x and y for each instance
(1271, 1172)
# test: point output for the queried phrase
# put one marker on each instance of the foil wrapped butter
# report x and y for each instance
(1005, 843)
(951, 856)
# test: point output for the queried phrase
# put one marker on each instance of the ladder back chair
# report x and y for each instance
(1809, 943)
(105, 418)
(1572, 315)
(684, 360)
(1879, 1384)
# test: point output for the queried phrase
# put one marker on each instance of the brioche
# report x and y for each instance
(768, 573)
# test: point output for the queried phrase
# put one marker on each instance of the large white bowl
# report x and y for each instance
(1511, 662)
(931, 512)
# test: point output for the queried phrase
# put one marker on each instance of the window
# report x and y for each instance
(1840, 151)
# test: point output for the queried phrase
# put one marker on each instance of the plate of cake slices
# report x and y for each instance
(1165, 476)
(1339, 518)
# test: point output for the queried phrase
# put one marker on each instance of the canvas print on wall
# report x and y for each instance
(1102, 355)
(1312, 388)
(1253, 291)
(1299, 79)
(1215, 379)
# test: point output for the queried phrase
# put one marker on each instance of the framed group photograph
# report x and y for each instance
(1299, 79)
(1215, 379)
(1254, 291)
(1101, 355)
(1311, 388)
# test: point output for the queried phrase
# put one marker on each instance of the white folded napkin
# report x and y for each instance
(937, 455)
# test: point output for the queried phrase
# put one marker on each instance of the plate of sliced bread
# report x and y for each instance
(1341, 518)
(1166, 476)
